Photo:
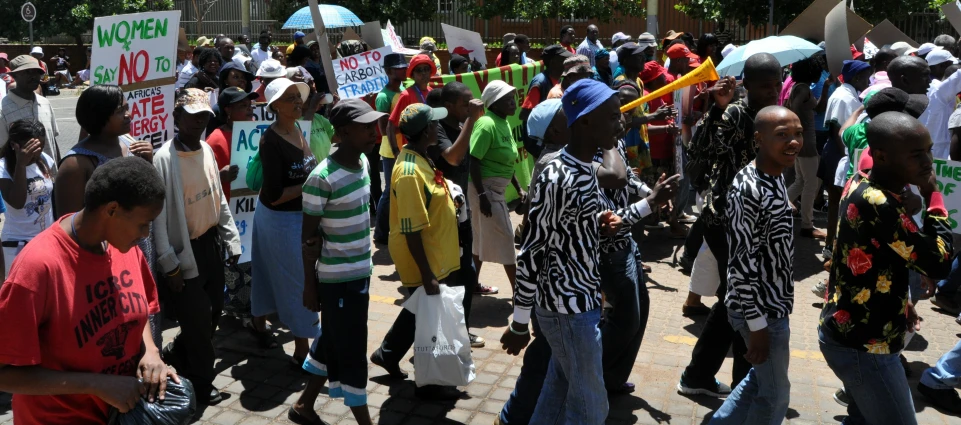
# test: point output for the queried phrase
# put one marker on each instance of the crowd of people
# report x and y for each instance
(101, 242)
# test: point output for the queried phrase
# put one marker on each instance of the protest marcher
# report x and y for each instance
(261, 51)
(235, 105)
(947, 43)
(806, 185)
(458, 64)
(278, 273)
(510, 54)
(567, 38)
(523, 44)
(424, 249)
(299, 58)
(576, 68)
(233, 75)
(553, 57)
(105, 115)
(270, 70)
(396, 66)
(279, 56)
(321, 131)
(421, 68)
(618, 39)
(568, 304)
(938, 383)
(452, 158)
(591, 44)
(23, 103)
(26, 182)
(298, 41)
(64, 380)
(880, 79)
(188, 236)
(602, 67)
(730, 127)
(207, 77)
(427, 47)
(867, 310)
(337, 264)
(708, 47)
(942, 96)
(761, 238)
(189, 69)
(493, 153)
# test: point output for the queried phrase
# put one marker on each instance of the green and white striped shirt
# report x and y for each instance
(341, 197)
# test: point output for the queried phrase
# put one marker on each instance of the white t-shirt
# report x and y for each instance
(259, 56)
(37, 213)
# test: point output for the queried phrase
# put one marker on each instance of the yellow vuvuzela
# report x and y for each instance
(705, 72)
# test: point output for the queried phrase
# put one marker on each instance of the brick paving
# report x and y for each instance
(262, 385)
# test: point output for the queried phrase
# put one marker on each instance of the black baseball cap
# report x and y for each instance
(395, 60)
(555, 50)
(630, 49)
(353, 110)
(231, 95)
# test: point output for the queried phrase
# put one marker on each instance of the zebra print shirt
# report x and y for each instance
(760, 234)
(618, 200)
(559, 254)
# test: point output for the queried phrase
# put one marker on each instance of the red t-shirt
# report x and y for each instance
(65, 308)
(219, 142)
(406, 98)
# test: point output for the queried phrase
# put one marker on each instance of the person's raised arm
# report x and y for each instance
(14, 189)
(457, 151)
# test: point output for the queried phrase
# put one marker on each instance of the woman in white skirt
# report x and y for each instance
(493, 156)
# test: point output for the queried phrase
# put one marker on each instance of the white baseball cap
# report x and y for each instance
(727, 50)
(902, 48)
(271, 68)
(937, 57)
(620, 36)
(278, 87)
(36, 50)
(927, 48)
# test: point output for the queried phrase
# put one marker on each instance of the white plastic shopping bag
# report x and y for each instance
(441, 345)
(704, 276)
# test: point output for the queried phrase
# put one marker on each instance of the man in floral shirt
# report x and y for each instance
(867, 311)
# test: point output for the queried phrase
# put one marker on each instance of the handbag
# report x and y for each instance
(255, 173)
(177, 408)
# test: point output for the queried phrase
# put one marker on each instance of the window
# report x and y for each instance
(445, 6)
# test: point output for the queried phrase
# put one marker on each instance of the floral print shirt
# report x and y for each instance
(877, 242)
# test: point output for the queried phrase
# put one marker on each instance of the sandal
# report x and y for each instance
(299, 419)
(485, 290)
(265, 339)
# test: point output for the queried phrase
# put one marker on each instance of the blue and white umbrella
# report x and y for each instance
(334, 17)
(787, 49)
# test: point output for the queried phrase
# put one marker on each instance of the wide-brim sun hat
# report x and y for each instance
(276, 89)
(271, 68)
(494, 91)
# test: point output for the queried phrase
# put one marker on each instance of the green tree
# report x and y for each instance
(543, 10)
(755, 12)
(397, 11)
(69, 17)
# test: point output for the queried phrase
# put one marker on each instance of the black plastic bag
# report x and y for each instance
(177, 408)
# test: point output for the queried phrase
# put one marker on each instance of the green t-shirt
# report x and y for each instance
(855, 138)
(385, 102)
(493, 144)
(321, 132)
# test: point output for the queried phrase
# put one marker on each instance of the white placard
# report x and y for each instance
(151, 114)
(245, 142)
(469, 43)
(134, 48)
(393, 40)
(242, 208)
(361, 74)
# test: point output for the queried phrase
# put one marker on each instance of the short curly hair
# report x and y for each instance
(130, 181)
(208, 54)
(96, 105)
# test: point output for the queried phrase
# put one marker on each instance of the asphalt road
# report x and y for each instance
(64, 107)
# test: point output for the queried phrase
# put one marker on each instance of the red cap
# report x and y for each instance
(679, 50)
(855, 54)
(461, 50)
(651, 71)
(421, 60)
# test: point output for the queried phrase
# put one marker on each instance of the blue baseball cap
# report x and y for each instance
(583, 97)
(299, 34)
(541, 117)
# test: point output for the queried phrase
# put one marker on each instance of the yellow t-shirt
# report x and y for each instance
(419, 204)
(202, 191)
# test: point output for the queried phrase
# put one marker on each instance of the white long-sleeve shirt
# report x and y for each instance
(941, 103)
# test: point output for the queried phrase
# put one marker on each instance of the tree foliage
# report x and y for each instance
(756, 11)
(397, 11)
(69, 17)
(540, 10)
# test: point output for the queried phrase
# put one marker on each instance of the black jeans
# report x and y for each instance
(695, 237)
(623, 282)
(718, 335)
(198, 307)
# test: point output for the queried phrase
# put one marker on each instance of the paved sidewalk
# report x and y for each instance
(262, 384)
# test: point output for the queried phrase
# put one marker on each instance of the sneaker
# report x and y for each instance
(814, 233)
(842, 397)
(820, 288)
(827, 254)
(944, 398)
(476, 341)
(485, 290)
(393, 370)
(718, 390)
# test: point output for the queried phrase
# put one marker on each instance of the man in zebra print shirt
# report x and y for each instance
(760, 293)
(557, 267)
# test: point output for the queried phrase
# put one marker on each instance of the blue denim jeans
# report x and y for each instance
(762, 396)
(623, 282)
(573, 391)
(949, 286)
(382, 225)
(520, 406)
(947, 373)
(875, 383)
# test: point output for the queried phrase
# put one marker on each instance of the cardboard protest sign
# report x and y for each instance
(361, 74)
(952, 11)
(465, 43)
(518, 76)
(396, 44)
(948, 174)
(371, 34)
(837, 46)
(350, 34)
(242, 208)
(244, 144)
(134, 48)
(810, 23)
(886, 33)
(151, 113)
